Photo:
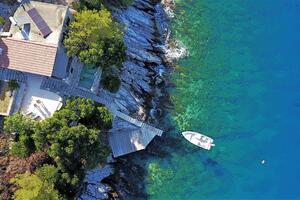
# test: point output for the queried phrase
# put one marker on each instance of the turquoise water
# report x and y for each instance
(241, 86)
(87, 76)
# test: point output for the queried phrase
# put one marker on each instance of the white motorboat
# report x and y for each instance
(199, 139)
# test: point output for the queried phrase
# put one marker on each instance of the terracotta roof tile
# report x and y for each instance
(27, 56)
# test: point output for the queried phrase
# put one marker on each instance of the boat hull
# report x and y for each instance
(198, 139)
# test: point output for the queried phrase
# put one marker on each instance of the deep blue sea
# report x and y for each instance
(240, 85)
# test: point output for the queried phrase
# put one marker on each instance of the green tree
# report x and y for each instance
(87, 4)
(18, 123)
(96, 39)
(24, 147)
(98, 4)
(103, 118)
(48, 173)
(81, 106)
(72, 151)
(73, 145)
(92, 114)
(23, 127)
(33, 188)
(73, 139)
(45, 131)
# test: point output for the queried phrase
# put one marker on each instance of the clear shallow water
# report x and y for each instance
(241, 86)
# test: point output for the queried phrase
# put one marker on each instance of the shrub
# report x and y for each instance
(111, 83)
(13, 85)
(32, 187)
(98, 4)
(89, 4)
(2, 21)
(23, 127)
(24, 147)
(48, 173)
(18, 123)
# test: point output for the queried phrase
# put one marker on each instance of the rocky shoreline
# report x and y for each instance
(145, 34)
(144, 79)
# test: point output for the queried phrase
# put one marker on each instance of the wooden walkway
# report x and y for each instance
(121, 143)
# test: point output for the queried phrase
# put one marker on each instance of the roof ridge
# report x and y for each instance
(31, 42)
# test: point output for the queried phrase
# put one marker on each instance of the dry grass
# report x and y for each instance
(4, 97)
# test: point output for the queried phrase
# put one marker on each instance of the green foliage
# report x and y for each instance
(13, 85)
(98, 4)
(72, 137)
(87, 4)
(98, 43)
(2, 20)
(48, 173)
(18, 123)
(111, 83)
(71, 151)
(19, 149)
(24, 147)
(23, 127)
(33, 188)
(104, 117)
(84, 108)
(92, 114)
(45, 131)
(73, 145)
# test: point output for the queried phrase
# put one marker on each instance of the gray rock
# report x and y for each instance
(161, 22)
(144, 56)
(143, 5)
(158, 80)
(93, 188)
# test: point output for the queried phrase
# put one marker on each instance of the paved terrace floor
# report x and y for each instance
(121, 142)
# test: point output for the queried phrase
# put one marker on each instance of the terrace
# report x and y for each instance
(37, 103)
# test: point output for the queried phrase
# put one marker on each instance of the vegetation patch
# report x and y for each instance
(111, 83)
(13, 85)
(10, 166)
(2, 21)
(74, 139)
(98, 4)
